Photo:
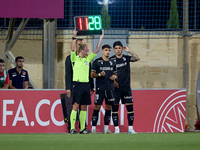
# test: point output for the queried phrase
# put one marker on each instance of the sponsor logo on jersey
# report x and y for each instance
(121, 65)
(106, 68)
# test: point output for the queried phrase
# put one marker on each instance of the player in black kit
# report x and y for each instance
(104, 70)
(122, 84)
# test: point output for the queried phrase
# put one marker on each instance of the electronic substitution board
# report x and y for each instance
(88, 25)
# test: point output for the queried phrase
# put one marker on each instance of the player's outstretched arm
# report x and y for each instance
(99, 43)
(73, 45)
(134, 56)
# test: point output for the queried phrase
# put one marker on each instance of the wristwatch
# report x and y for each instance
(73, 38)
(99, 74)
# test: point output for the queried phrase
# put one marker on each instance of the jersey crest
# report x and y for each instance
(111, 63)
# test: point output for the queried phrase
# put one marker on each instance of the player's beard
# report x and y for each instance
(119, 54)
(20, 67)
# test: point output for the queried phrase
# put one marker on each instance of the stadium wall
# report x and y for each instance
(40, 111)
(161, 64)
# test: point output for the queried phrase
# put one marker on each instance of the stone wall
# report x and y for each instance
(194, 66)
(161, 62)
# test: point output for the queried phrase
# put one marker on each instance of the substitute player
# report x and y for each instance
(104, 70)
(81, 86)
(18, 77)
(122, 84)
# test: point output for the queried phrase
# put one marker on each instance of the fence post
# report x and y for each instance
(186, 59)
(49, 53)
(185, 43)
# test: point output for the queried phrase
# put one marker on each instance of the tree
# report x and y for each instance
(173, 22)
(105, 17)
(142, 27)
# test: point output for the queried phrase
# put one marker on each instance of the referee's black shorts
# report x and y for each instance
(81, 93)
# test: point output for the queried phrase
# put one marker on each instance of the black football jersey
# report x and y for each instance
(104, 83)
(123, 69)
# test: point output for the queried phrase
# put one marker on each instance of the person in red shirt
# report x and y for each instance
(4, 77)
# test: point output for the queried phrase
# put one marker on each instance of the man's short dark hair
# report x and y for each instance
(79, 40)
(106, 46)
(117, 43)
(82, 46)
(18, 57)
(2, 61)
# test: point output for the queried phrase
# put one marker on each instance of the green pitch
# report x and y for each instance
(143, 141)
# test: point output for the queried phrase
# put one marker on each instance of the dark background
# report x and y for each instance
(150, 14)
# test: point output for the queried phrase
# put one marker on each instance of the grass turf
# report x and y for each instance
(143, 141)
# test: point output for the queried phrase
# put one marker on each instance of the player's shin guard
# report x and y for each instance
(130, 114)
(82, 119)
(95, 117)
(107, 117)
(115, 114)
(73, 119)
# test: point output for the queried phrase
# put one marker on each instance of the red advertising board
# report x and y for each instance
(39, 111)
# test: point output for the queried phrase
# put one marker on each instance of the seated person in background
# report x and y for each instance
(18, 77)
(4, 78)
